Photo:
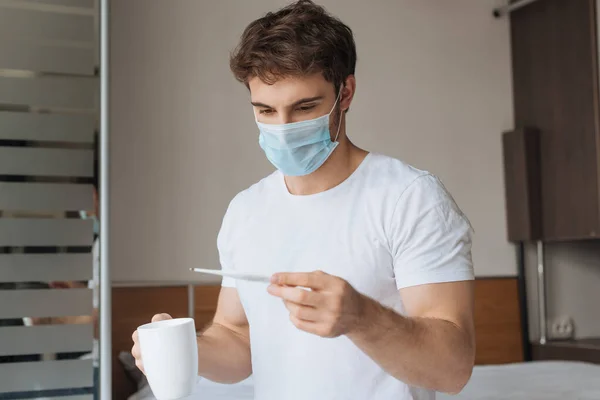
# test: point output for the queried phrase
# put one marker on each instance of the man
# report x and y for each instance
(371, 294)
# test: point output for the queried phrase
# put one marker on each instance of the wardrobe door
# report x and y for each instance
(555, 80)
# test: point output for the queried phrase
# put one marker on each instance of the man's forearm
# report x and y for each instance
(424, 352)
(223, 355)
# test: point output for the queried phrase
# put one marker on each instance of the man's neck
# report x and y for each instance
(339, 166)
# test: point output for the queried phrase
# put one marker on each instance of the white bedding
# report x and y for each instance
(548, 380)
(207, 390)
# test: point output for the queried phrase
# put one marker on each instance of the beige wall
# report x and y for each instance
(434, 89)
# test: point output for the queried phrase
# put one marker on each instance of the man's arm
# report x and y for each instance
(431, 347)
(223, 348)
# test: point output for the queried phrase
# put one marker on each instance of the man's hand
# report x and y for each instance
(135, 350)
(332, 307)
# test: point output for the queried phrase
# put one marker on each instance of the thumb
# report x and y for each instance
(161, 317)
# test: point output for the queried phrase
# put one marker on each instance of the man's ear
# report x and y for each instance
(348, 91)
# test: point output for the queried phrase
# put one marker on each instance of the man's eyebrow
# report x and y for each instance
(306, 100)
(296, 103)
(258, 104)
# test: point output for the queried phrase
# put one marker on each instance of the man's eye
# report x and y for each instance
(306, 108)
(265, 112)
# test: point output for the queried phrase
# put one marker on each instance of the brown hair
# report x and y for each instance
(297, 40)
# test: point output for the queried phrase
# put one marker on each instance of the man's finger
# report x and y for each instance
(135, 352)
(296, 295)
(161, 317)
(138, 363)
(301, 312)
(306, 326)
(314, 280)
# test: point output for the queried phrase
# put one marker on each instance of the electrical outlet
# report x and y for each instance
(562, 327)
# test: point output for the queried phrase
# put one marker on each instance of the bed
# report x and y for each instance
(500, 372)
(541, 380)
(547, 380)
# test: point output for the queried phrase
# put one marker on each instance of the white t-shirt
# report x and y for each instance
(388, 226)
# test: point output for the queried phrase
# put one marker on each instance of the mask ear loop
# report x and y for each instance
(340, 121)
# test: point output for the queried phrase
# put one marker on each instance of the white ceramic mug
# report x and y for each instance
(170, 357)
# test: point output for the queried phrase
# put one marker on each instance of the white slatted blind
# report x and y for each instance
(48, 36)
(50, 92)
(71, 3)
(45, 375)
(45, 339)
(19, 232)
(48, 117)
(45, 267)
(45, 196)
(82, 397)
(46, 162)
(20, 21)
(48, 127)
(61, 57)
(45, 303)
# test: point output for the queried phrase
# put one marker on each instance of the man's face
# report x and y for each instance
(293, 99)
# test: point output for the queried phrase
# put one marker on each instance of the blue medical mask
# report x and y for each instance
(299, 148)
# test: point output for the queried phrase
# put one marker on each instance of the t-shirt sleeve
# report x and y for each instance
(226, 240)
(430, 236)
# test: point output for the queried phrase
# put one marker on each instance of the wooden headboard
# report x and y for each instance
(497, 320)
